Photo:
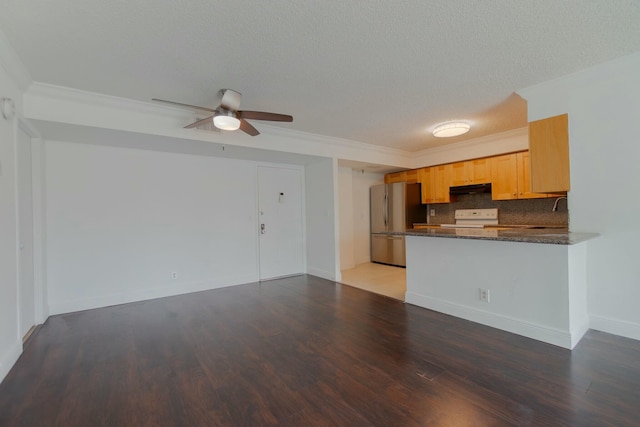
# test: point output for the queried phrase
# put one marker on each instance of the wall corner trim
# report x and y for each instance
(10, 61)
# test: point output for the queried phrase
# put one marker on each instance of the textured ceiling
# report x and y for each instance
(380, 72)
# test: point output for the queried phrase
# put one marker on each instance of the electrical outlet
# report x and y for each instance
(174, 275)
(433, 212)
(485, 295)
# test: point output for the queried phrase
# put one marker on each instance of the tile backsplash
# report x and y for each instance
(525, 212)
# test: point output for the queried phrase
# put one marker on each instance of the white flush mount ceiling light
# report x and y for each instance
(226, 120)
(449, 129)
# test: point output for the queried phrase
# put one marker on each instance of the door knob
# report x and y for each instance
(261, 228)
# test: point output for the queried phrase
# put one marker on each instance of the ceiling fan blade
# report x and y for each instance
(261, 115)
(199, 122)
(246, 127)
(185, 105)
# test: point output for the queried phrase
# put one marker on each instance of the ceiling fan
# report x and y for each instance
(228, 117)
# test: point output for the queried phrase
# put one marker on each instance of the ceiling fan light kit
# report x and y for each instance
(449, 129)
(226, 120)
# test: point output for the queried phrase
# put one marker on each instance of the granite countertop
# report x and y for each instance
(556, 236)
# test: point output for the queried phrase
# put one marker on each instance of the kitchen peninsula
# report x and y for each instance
(524, 234)
(533, 280)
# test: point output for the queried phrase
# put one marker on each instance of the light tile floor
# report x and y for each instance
(379, 278)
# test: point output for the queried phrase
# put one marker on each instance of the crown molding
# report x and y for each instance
(488, 145)
(82, 96)
(334, 142)
(10, 61)
(46, 90)
(78, 107)
(474, 142)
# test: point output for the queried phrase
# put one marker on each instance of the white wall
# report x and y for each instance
(322, 240)
(532, 286)
(345, 208)
(603, 104)
(10, 342)
(119, 221)
(355, 230)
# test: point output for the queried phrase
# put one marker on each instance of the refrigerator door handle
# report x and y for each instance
(385, 209)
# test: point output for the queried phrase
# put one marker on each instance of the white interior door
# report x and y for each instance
(280, 214)
(26, 287)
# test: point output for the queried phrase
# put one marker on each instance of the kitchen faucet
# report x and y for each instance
(555, 205)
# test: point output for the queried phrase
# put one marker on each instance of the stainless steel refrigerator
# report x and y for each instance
(394, 208)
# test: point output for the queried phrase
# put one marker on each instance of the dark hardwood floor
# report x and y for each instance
(303, 351)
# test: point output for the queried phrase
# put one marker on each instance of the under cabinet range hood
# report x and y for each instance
(470, 189)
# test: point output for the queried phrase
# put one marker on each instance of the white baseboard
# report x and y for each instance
(578, 331)
(615, 326)
(324, 274)
(531, 330)
(9, 358)
(144, 294)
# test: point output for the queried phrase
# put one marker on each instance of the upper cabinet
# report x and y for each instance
(390, 178)
(549, 150)
(435, 182)
(504, 181)
(541, 172)
(476, 171)
(524, 178)
(511, 178)
(410, 177)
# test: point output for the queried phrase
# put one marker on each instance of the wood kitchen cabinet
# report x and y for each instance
(511, 178)
(524, 179)
(435, 182)
(391, 178)
(459, 174)
(481, 171)
(549, 149)
(410, 177)
(477, 171)
(504, 177)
